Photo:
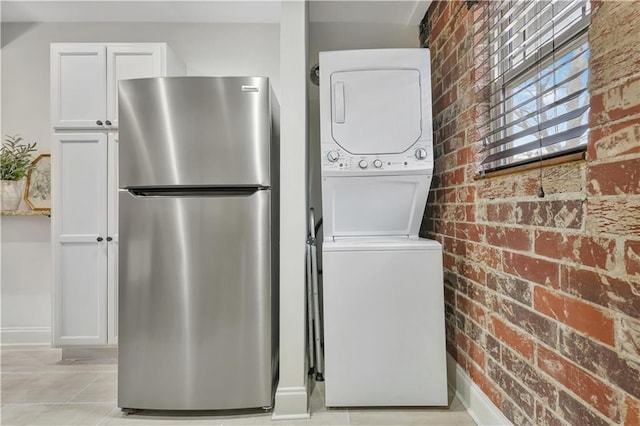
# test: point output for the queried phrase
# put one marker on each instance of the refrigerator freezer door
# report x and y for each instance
(194, 131)
(195, 302)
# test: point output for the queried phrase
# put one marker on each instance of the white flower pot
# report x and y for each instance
(11, 195)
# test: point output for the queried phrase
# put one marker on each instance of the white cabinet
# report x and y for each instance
(80, 231)
(84, 109)
(84, 79)
(85, 238)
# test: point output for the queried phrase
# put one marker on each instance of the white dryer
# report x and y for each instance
(383, 289)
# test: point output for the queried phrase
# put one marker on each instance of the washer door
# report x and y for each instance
(376, 111)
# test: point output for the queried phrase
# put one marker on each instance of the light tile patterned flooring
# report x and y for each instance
(40, 389)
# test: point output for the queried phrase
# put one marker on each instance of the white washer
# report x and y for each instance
(383, 322)
(383, 289)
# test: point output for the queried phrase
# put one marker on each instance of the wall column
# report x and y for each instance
(291, 396)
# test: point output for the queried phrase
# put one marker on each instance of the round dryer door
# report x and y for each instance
(376, 111)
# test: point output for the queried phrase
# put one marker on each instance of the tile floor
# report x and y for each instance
(40, 389)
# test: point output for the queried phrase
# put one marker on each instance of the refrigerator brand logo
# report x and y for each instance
(250, 88)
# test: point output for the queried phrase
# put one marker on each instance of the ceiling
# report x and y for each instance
(407, 12)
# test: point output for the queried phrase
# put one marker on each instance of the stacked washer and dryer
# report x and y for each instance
(383, 296)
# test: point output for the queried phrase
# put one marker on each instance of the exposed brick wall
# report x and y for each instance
(542, 295)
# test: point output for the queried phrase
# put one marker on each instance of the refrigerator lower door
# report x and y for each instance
(195, 302)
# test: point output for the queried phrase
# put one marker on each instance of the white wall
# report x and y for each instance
(206, 49)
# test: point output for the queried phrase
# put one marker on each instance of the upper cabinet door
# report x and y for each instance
(78, 79)
(130, 61)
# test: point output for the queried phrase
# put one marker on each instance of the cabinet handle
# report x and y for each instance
(108, 123)
(109, 239)
(99, 123)
(99, 238)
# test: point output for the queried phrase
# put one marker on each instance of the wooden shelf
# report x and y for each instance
(25, 213)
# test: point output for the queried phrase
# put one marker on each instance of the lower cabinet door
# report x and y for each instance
(80, 246)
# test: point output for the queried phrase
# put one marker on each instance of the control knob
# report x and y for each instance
(333, 156)
(377, 163)
(421, 153)
(363, 164)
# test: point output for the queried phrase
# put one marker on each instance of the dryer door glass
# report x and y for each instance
(376, 111)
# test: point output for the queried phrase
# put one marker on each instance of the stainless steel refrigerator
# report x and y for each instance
(198, 243)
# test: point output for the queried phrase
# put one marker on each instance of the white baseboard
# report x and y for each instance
(478, 405)
(89, 352)
(291, 403)
(25, 336)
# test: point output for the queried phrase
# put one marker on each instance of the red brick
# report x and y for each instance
(483, 254)
(470, 212)
(592, 390)
(448, 261)
(443, 19)
(616, 104)
(618, 215)
(455, 141)
(557, 214)
(545, 417)
(517, 412)
(602, 361)
(476, 353)
(632, 257)
(604, 290)
(511, 287)
(516, 391)
(466, 155)
(539, 271)
(478, 293)
(530, 321)
(496, 188)
(516, 340)
(465, 194)
(614, 178)
(574, 313)
(469, 231)
(632, 417)
(503, 213)
(470, 270)
(524, 370)
(471, 309)
(453, 177)
(577, 413)
(589, 251)
(490, 390)
(506, 237)
(614, 140)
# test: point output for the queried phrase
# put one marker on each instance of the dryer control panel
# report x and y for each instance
(336, 159)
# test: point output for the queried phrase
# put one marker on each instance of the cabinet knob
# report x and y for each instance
(109, 239)
(99, 239)
(99, 123)
(108, 123)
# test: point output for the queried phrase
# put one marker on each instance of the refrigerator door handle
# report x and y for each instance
(236, 191)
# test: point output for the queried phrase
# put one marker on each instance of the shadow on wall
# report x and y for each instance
(10, 33)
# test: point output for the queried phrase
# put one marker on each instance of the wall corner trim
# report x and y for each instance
(478, 405)
(291, 403)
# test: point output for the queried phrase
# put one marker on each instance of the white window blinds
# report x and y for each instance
(538, 56)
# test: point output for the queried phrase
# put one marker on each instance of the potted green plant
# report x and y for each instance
(15, 162)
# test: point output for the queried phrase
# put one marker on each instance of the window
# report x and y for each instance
(538, 59)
